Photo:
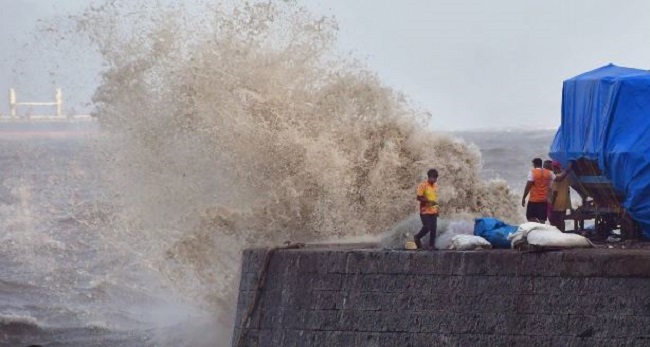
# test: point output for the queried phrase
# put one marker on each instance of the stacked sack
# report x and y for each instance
(537, 236)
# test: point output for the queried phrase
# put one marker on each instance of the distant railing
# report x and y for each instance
(57, 103)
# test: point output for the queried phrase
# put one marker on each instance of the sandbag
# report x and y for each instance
(494, 231)
(542, 236)
(556, 240)
(518, 238)
(469, 242)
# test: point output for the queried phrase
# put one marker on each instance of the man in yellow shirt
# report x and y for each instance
(427, 195)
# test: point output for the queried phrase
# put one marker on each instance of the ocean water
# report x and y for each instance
(64, 283)
(508, 154)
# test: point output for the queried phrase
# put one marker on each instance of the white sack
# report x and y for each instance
(546, 236)
(469, 242)
(550, 239)
(518, 238)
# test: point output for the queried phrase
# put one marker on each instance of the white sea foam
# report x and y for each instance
(239, 125)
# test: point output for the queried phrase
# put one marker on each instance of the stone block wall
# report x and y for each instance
(326, 297)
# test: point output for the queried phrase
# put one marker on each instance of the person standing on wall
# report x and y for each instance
(560, 198)
(539, 181)
(427, 195)
(548, 166)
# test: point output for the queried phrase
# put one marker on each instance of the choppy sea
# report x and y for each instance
(56, 273)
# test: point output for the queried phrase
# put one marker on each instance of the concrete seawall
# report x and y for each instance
(321, 297)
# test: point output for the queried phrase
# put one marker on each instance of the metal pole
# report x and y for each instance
(58, 98)
(12, 102)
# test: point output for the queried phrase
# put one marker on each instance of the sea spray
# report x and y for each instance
(239, 125)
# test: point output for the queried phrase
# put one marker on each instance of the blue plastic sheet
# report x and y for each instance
(606, 117)
(494, 231)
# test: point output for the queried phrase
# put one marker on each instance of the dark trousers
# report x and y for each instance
(557, 219)
(537, 211)
(430, 226)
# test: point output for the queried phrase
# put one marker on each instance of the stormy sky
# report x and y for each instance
(473, 64)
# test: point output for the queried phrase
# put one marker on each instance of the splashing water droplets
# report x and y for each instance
(238, 125)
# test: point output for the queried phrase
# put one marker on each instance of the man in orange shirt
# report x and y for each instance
(539, 182)
(427, 195)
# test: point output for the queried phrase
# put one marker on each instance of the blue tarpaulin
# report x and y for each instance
(606, 117)
(494, 231)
